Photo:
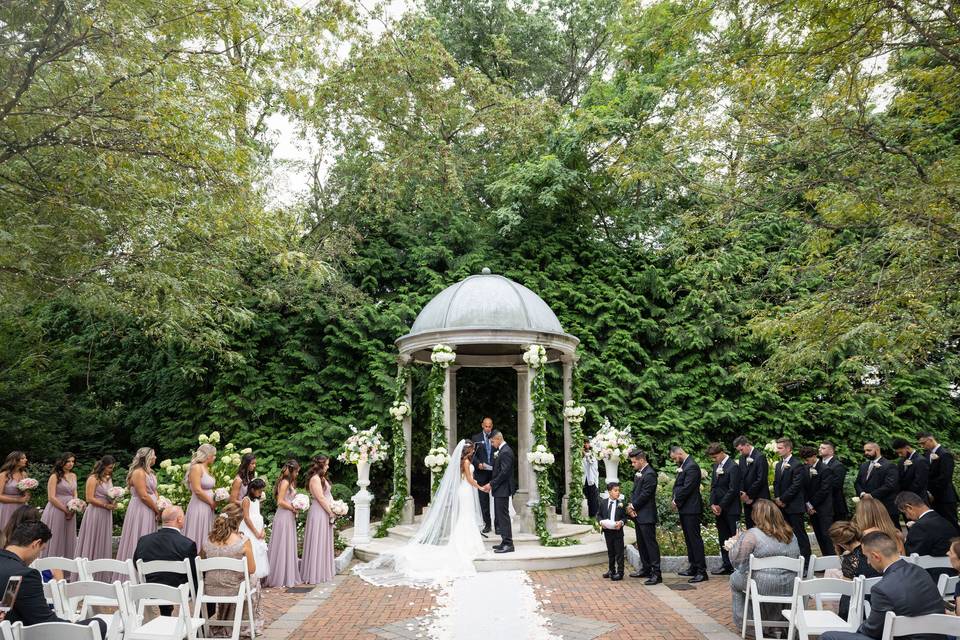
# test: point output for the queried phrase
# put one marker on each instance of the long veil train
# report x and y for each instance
(445, 544)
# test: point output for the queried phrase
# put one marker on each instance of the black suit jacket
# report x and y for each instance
(502, 483)
(167, 544)
(619, 514)
(820, 489)
(883, 483)
(482, 476)
(644, 496)
(907, 590)
(753, 475)
(789, 479)
(838, 478)
(914, 476)
(725, 487)
(30, 607)
(686, 490)
(940, 479)
(930, 535)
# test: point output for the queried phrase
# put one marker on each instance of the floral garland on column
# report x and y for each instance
(399, 411)
(540, 457)
(442, 357)
(574, 413)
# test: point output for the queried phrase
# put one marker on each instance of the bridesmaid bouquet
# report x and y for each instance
(115, 493)
(339, 508)
(163, 503)
(300, 502)
(76, 505)
(27, 484)
(221, 494)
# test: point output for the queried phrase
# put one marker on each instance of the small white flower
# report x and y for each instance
(720, 471)
(876, 465)
(856, 500)
(786, 465)
(749, 459)
(933, 457)
(907, 463)
(813, 471)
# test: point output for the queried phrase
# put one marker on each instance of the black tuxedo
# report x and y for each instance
(819, 493)
(883, 485)
(725, 493)
(838, 474)
(686, 495)
(914, 476)
(482, 476)
(930, 535)
(502, 486)
(940, 484)
(167, 544)
(789, 480)
(613, 537)
(644, 501)
(753, 478)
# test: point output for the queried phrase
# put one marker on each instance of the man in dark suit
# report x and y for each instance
(913, 468)
(829, 463)
(905, 589)
(753, 476)
(818, 494)
(30, 607)
(942, 494)
(688, 502)
(879, 478)
(168, 543)
(643, 510)
(724, 500)
(502, 485)
(928, 533)
(789, 479)
(612, 517)
(483, 467)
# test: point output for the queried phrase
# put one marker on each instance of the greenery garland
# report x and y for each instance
(575, 489)
(394, 510)
(437, 431)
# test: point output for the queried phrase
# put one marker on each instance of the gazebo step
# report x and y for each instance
(561, 530)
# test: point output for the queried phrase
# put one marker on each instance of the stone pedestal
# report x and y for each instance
(361, 502)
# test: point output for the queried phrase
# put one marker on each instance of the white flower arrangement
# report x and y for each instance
(300, 502)
(76, 505)
(535, 356)
(540, 458)
(363, 446)
(611, 443)
(573, 412)
(443, 355)
(436, 459)
(213, 438)
(221, 494)
(399, 410)
(339, 508)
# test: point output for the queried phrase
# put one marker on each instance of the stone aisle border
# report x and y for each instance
(692, 615)
(285, 626)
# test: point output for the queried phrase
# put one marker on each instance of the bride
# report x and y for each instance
(448, 539)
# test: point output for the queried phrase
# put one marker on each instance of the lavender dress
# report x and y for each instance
(317, 565)
(139, 520)
(199, 518)
(96, 530)
(63, 544)
(7, 509)
(284, 569)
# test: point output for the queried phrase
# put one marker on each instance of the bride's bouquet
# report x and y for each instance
(363, 446)
(540, 458)
(611, 443)
(436, 460)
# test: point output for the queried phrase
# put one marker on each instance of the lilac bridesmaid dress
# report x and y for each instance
(284, 569)
(7, 509)
(96, 531)
(199, 517)
(63, 544)
(317, 565)
(138, 521)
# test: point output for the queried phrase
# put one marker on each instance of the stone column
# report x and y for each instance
(408, 506)
(450, 406)
(526, 480)
(567, 362)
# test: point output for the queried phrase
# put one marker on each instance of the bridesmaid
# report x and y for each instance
(61, 489)
(245, 473)
(142, 510)
(96, 529)
(284, 569)
(318, 565)
(202, 507)
(14, 470)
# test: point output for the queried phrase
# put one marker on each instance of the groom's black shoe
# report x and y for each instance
(486, 529)
(497, 546)
(504, 549)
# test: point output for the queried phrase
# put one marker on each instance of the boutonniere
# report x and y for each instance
(496, 454)
(638, 474)
(813, 471)
(786, 465)
(876, 465)
(750, 460)
(907, 463)
(933, 457)
(620, 502)
(678, 469)
(719, 471)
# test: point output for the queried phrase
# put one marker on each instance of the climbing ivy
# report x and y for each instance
(391, 515)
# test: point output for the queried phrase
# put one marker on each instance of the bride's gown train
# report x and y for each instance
(446, 543)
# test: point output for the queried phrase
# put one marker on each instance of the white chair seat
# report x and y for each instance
(817, 622)
(165, 627)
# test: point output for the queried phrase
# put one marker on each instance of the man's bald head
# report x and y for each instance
(172, 517)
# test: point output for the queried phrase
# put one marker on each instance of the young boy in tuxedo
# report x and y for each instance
(612, 516)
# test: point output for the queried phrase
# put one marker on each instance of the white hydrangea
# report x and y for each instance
(399, 410)
(436, 459)
(573, 412)
(443, 355)
(540, 458)
(535, 356)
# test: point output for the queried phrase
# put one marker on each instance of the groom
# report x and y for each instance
(502, 486)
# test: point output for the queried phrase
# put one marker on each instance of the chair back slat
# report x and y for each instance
(56, 631)
(67, 565)
(931, 562)
(947, 585)
(814, 586)
(107, 565)
(821, 564)
(895, 626)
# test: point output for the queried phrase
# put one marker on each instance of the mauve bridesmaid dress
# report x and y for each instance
(317, 565)
(199, 517)
(63, 544)
(139, 520)
(284, 566)
(7, 509)
(96, 530)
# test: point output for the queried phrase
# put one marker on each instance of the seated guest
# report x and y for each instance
(24, 545)
(168, 543)
(28, 513)
(871, 515)
(771, 535)
(226, 541)
(846, 539)
(929, 533)
(905, 589)
(954, 554)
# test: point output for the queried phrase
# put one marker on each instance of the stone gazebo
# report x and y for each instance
(490, 320)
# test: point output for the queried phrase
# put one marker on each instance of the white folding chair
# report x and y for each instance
(814, 622)
(947, 586)
(755, 598)
(80, 597)
(55, 631)
(895, 626)
(68, 566)
(181, 567)
(931, 562)
(6, 630)
(51, 591)
(122, 568)
(239, 599)
(179, 626)
(819, 565)
(867, 587)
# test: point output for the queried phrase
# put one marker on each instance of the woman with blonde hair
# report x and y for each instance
(202, 507)
(226, 541)
(871, 515)
(142, 510)
(770, 536)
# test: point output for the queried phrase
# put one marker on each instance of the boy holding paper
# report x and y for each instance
(612, 516)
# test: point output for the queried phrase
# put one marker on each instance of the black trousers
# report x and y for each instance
(726, 527)
(748, 515)
(799, 530)
(690, 523)
(648, 547)
(501, 512)
(821, 529)
(484, 506)
(614, 540)
(592, 494)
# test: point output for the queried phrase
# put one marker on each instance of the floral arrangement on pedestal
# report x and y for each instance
(364, 446)
(612, 446)
(224, 469)
(400, 411)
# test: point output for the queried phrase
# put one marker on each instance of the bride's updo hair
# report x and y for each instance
(467, 450)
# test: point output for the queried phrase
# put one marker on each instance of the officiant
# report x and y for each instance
(483, 467)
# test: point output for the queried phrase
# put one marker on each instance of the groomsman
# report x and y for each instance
(753, 476)
(643, 510)
(689, 503)
(879, 479)
(818, 494)
(724, 500)
(943, 496)
(789, 479)
(830, 463)
(591, 476)
(483, 467)
(913, 469)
